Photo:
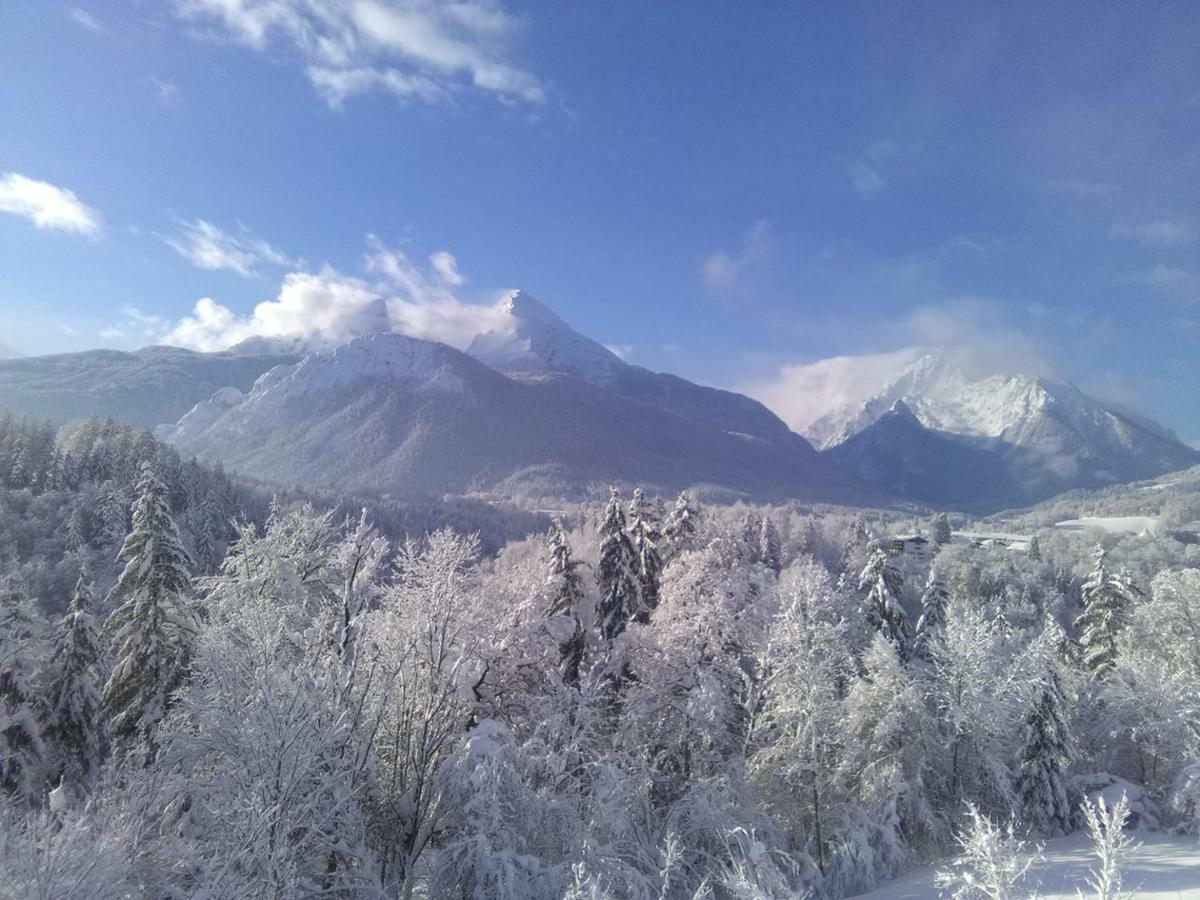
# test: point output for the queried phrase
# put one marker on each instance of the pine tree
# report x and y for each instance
(769, 552)
(1035, 549)
(75, 724)
(883, 587)
(1045, 752)
(680, 525)
(22, 752)
(933, 614)
(751, 526)
(941, 529)
(616, 571)
(152, 626)
(644, 535)
(1105, 613)
(566, 599)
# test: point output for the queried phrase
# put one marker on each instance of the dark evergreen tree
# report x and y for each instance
(1044, 756)
(152, 626)
(643, 532)
(883, 590)
(769, 552)
(566, 599)
(1035, 549)
(941, 529)
(1106, 600)
(932, 620)
(616, 572)
(22, 715)
(75, 726)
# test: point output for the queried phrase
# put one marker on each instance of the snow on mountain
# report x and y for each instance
(532, 338)
(405, 416)
(1029, 437)
(145, 388)
(7, 352)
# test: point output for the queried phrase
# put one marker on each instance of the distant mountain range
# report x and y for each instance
(535, 408)
(938, 436)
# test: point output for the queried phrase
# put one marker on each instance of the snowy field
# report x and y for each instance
(1113, 524)
(1163, 867)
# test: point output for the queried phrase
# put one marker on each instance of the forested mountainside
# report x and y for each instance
(651, 700)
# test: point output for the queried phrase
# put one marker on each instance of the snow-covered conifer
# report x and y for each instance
(1045, 752)
(22, 751)
(75, 724)
(1106, 600)
(680, 525)
(616, 571)
(882, 585)
(769, 552)
(932, 620)
(644, 535)
(566, 599)
(941, 529)
(153, 625)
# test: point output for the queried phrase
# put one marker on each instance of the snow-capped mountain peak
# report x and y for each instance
(532, 338)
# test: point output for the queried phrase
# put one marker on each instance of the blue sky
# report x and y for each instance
(720, 190)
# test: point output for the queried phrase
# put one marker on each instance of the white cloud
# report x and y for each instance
(1171, 281)
(446, 267)
(85, 20)
(621, 351)
(135, 326)
(207, 246)
(414, 49)
(329, 307)
(1162, 233)
(725, 270)
(46, 205)
(969, 332)
(165, 90)
(869, 174)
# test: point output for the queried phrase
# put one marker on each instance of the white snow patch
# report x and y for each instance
(1163, 866)
(1113, 524)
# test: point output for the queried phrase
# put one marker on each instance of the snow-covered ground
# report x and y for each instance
(1113, 524)
(1164, 866)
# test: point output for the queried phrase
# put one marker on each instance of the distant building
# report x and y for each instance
(908, 545)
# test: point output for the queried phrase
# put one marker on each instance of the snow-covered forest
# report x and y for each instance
(209, 694)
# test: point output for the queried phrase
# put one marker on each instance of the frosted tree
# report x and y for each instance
(993, 864)
(882, 585)
(566, 599)
(1106, 601)
(616, 571)
(681, 525)
(769, 552)
(932, 621)
(75, 724)
(22, 751)
(153, 625)
(643, 534)
(1035, 549)
(1041, 763)
(1110, 845)
(941, 529)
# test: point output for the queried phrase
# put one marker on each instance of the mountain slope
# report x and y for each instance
(146, 388)
(1026, 437)
(395, 414)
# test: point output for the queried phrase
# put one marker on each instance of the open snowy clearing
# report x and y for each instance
(1113, 524)
(1163, 866)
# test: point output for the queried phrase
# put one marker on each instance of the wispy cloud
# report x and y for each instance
(135, 326)
(879, 163)
(85, 19)
(207, 246)
(413, 49)
(166, 91)
(1172, 282)
(724, 270)
(1159, 233)
(621, 351)
(46, 205)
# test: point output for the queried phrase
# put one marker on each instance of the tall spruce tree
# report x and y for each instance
(769, 552)
(22, 715)
(1044, 756)
(884, 612)
(566, 599)
(941, 529)
(932, 620)
(75, 724)
(643, 532)
(680, 525)
(616, 571)
(152, 627)
(1106, 600)
(1035, 549)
